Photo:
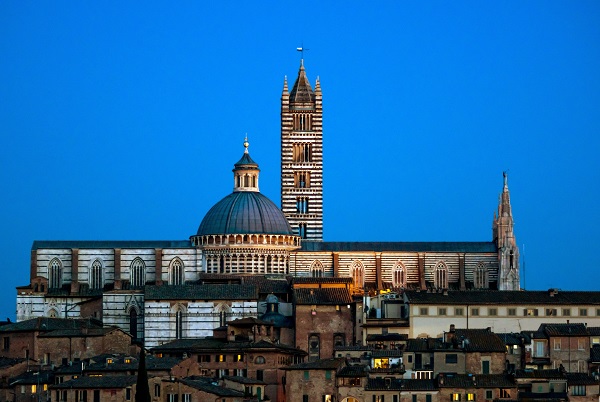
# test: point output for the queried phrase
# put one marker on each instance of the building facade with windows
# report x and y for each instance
(246, 234)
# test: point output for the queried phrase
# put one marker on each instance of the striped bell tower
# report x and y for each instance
(302, 156)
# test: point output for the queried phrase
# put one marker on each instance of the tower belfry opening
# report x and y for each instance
(302, 156)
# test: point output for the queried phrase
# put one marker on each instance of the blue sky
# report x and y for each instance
(123, 120)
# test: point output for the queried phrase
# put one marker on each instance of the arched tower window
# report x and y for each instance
(480, 276)
(441, 276)
(302, 205)
(357, 271)
(316, 269)
(176, 272)
(55, 269)
(399, 275)
(95, 279)
(302, 230)
(137, 272)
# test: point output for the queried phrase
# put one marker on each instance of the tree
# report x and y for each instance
(142, 393)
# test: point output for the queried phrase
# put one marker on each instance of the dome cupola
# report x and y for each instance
(245, 222)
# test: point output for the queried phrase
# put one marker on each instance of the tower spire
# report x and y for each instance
(302, 156)
(504, 236)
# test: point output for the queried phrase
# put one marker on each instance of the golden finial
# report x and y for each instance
(246, 144)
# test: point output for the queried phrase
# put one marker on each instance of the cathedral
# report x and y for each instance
(248, 249)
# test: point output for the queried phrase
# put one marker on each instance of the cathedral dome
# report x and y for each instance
(244, 212)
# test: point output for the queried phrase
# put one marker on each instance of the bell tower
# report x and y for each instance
(302, 156)
(504, 236)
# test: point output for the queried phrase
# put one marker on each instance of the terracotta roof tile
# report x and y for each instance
(322, 296)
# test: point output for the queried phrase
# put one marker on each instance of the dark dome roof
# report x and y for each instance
(244, 212)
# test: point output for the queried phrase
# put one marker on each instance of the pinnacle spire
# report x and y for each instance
(302, 91)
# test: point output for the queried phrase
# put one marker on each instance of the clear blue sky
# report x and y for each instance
(122, 120)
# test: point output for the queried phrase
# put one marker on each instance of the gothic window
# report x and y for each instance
(138, 273)
(302, 230)
(95, 279)
(302, 205)
(55, 268)
(133, 320)
(480, 276)
(399, 275)
(302, 122)
(441, 276)
(223, 311)
(52, 313)
(176, 272)
(302, 153)
(358, 274)
(302, 179)
(316, 269)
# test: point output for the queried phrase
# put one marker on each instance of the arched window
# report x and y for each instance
(259, 360)
(441, 276)
(95, 279)
(222, 311)
(316, 269)
(137, 272)
(176, 272)
(133, 323)
(399, 275)
(480, 276)
(52, 313)
(55, 268)
(358, 274)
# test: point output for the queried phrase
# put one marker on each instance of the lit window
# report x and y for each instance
(456, 396)
(33, 389)
(221, 358)
(470, 397)
(530, 312)
(239, 358)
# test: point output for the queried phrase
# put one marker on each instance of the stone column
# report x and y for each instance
(378, 271)
(461, 271)
(118, 280)
(75, 270)
(158, 254)
(422, 284)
